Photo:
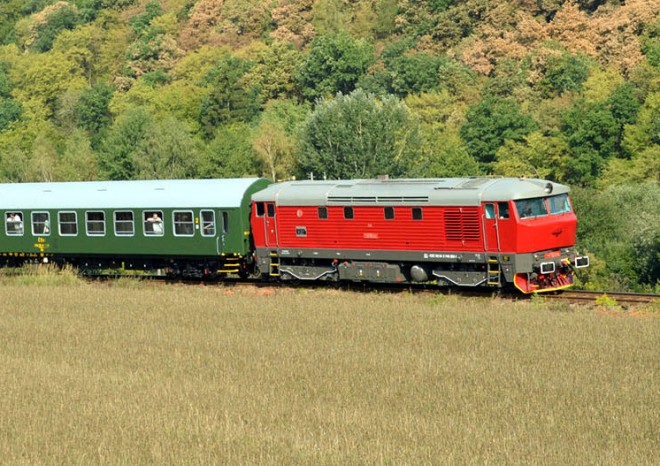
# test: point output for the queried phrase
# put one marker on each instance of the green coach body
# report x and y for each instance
(156, 222)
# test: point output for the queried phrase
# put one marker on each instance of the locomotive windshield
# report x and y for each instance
(538, 207)
(559, 204)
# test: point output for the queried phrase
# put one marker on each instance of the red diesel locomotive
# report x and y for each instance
(470, 232)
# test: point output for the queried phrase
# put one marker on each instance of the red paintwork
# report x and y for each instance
(369, 230)
(548, 232)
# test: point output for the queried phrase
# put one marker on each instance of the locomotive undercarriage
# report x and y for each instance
(544, 271)
(175, 267)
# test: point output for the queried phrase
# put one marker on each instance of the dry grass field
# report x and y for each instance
(126, 373)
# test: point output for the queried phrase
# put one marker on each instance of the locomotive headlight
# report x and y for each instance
(548, 188)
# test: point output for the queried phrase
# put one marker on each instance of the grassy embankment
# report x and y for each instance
(135, 374)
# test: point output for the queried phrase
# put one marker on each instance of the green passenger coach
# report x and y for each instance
(186, 227)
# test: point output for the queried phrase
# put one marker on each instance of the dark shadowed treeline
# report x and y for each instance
(563, 90)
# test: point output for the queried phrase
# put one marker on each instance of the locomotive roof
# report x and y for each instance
(431, 191)
(126, 194)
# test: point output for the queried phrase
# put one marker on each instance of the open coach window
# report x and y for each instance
(153, 222)
(14, 223)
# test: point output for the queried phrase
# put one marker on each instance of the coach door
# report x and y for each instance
(270, 225)
(491, 228)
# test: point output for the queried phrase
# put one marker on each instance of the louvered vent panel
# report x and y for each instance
(462, 225)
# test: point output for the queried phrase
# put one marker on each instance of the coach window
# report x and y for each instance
(14, 223)
(348, 213)
(208, 222)
(417, 213)
(153, 222)
(95, 222)
(124, 223)
(389, 213)
(271, 210)
(323, 213)
(40, 223)
(225, 222)
(183, 223)
(260, 209)
(503, 208)
(68, 223)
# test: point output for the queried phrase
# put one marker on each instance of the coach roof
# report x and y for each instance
(445, 191)
(126, 194)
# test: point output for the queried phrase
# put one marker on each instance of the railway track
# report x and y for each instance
(580, 297)
(604, 297)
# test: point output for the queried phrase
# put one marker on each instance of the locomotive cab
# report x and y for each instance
(545, 238)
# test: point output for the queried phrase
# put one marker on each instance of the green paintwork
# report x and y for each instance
(234, 241)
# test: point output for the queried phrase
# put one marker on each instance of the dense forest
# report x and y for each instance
(563, 90)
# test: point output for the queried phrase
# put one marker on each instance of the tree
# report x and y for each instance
(414, 74)
(628, 244)
(537, 156)
(491, 122)
(358, 135)
(275, 148)
(123, 144)
(167, 151)
(10, 110)
(644, 133)
(92, 110)
(564, 73)
(334, 64)
(230, 153)
(445, 155)
(230, 100)
(273, 69)
(40, 79)
(592, 132)
(77, 161)
(58, 18)
(276, 137)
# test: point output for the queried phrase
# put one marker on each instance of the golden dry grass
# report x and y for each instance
(112, 374)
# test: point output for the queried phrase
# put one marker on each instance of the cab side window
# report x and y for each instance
(261, 211)
(14, 223)
(490, 211)
(503, 208)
